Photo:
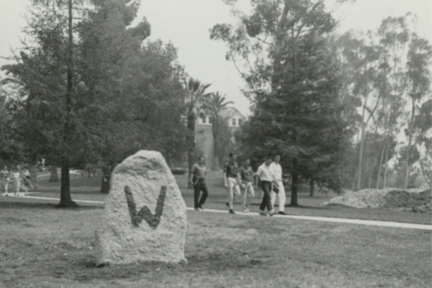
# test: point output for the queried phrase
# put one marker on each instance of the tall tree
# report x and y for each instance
(213, 105)
(291, 74)
(194, 97)
(62, 102)
(418, 77)
(423, 123)
(2, 123)
(393, 35)
(65, 197)
(137, 84)
(363, 63)
(377, 71)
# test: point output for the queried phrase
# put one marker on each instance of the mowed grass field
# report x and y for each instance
(41, 246)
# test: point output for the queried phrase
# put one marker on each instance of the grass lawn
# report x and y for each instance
(45, 247)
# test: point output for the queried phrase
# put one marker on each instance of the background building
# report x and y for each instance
(204, 135)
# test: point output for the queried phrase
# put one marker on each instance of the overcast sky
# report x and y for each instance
(186, 24)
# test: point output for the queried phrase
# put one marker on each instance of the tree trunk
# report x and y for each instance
(190, 164)
(354, 183)
(105, 185)
(216, 165)
(426, 170)
(365, 174)
(54, 175)
(215, 131)
(370, 179)
(33, 175)
(65, 196)
(191, 143)
(385, 169)
(363, 130)
(312, 188)
(106, 177)
(360, 161)
(407, 157)
(294, 184)
(380, 163)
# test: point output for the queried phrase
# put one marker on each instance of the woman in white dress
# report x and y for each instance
(16, 176)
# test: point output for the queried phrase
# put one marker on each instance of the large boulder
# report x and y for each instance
(144, 218)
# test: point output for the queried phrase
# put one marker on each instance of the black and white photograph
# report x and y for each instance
(215, 143)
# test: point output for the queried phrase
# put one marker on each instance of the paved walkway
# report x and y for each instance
(310, 218)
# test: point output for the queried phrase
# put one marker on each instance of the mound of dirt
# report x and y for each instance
(411, 199)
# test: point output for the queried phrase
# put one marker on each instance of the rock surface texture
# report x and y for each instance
(144, 218)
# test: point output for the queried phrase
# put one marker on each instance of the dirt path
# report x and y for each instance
(309, 218)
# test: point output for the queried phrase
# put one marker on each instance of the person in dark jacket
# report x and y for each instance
(197, 179)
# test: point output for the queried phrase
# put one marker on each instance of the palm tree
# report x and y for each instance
(213, 105)
(195, 93)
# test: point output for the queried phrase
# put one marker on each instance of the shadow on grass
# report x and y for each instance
(40, 205)
(308, 207)
(293, 207)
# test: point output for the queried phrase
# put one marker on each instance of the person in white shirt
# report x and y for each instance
(278, 190)
(16, 176)
(267, 180)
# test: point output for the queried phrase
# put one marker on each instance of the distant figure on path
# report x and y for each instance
(197, 179)
(26, 181)
(267, 180)
(4, 178)
(231, 176)
(16, 176)
(278, 189)
(247, 185)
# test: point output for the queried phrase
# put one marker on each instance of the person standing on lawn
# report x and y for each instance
(247, 174)
(197, 179)
(231, 181)
(278, 190)
(267, 180)
(16, 176)
(5, 177)
(26, 181)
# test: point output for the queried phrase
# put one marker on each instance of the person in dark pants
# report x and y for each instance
(267, 180)
(197, 179)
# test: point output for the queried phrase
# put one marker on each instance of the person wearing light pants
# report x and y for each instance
(16, 176)
(278, 190)
(231, 181)
(247, 174)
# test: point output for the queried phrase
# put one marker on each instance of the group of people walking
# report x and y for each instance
(242, 181)
(20, 179)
